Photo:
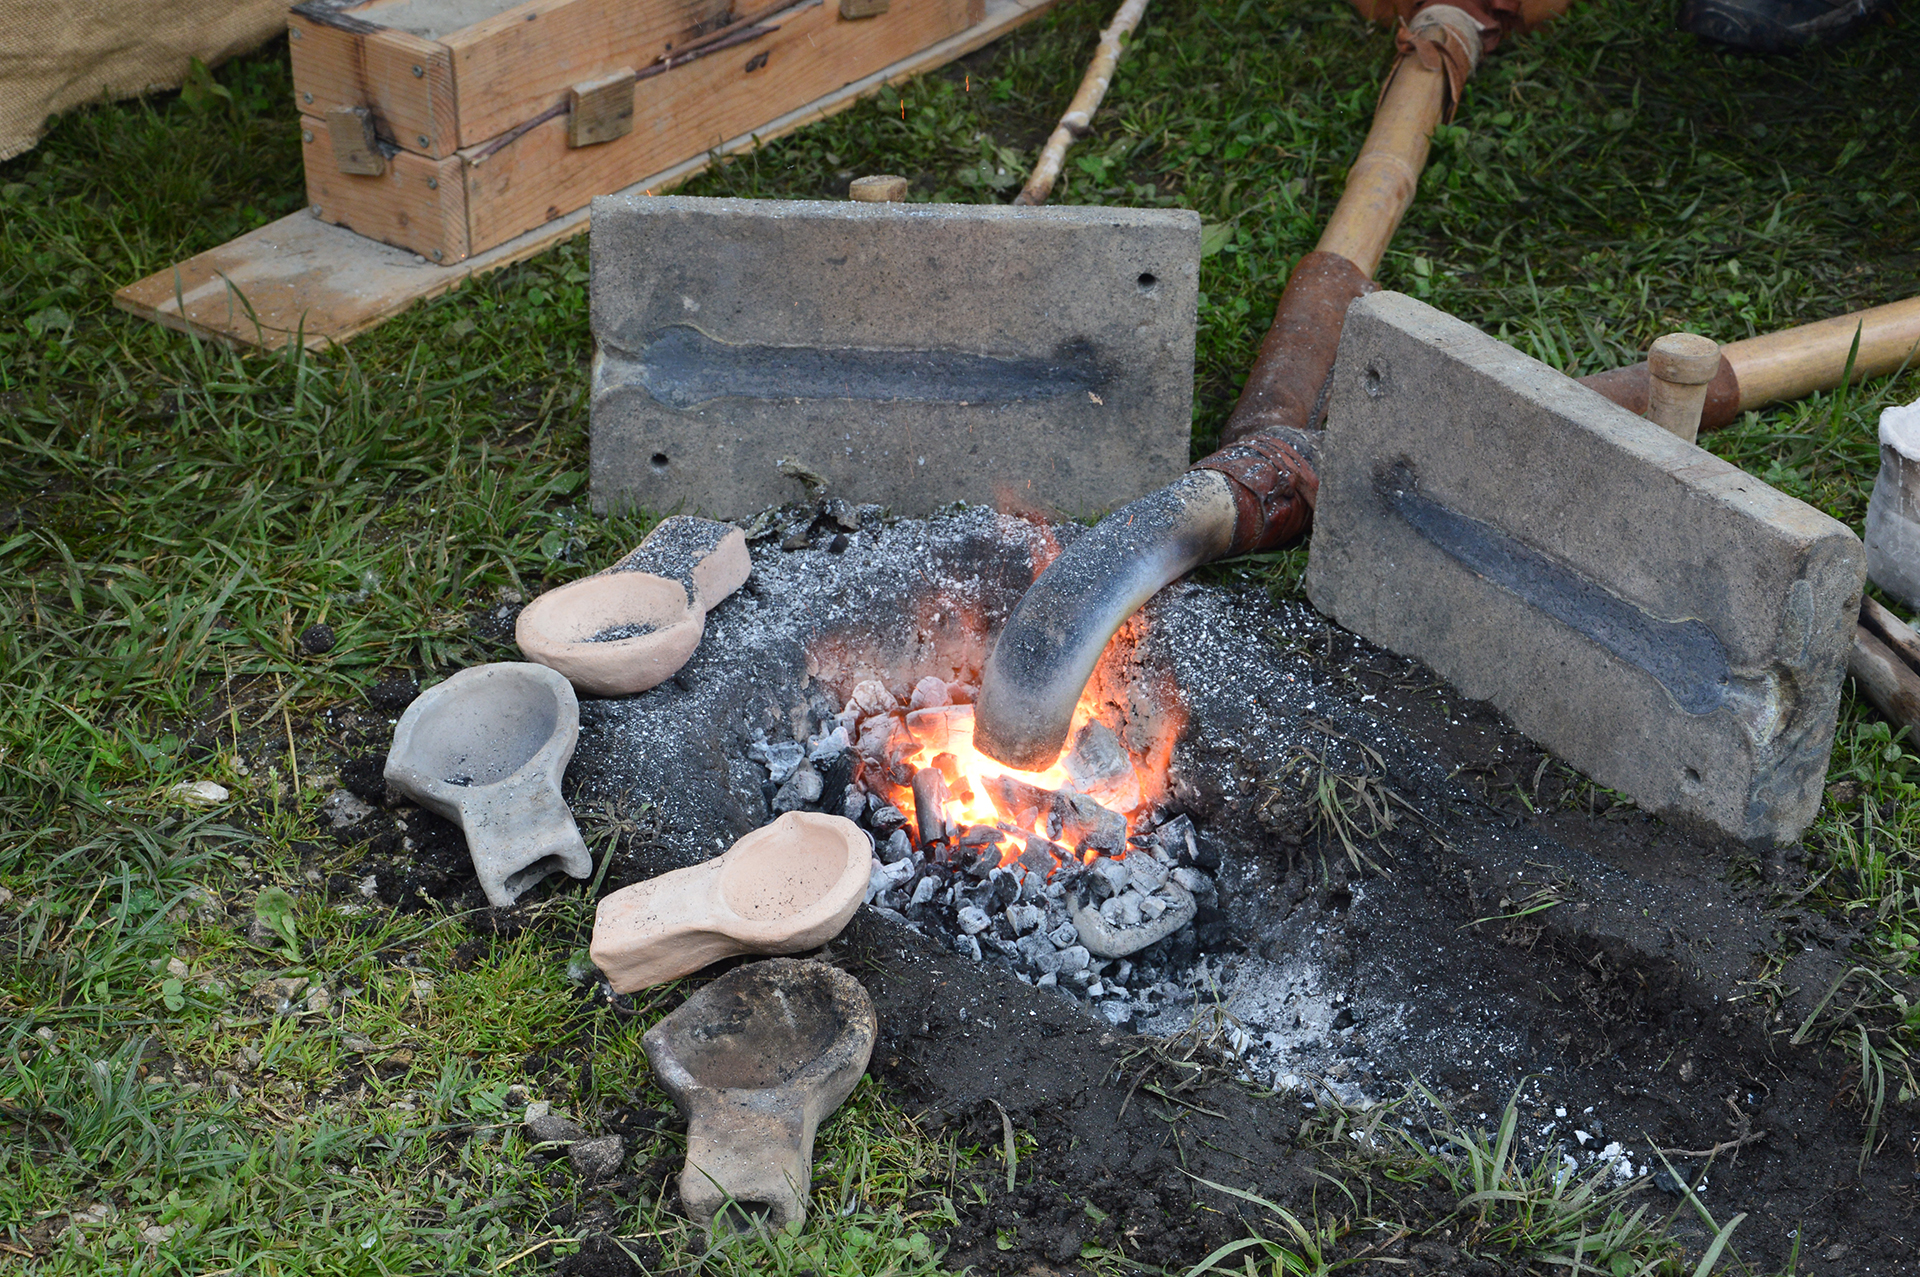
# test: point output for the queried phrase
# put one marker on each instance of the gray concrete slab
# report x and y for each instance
(1657, 617)
(910, 354)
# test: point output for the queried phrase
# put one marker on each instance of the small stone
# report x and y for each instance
(319, 1001)
(177, 969)
(200, 793)
(154, 1234)
(973, 920)
(317, 639)
(5, 896)
(356, 1043)
(342, 810)
(598, 1158)
(547, 1127)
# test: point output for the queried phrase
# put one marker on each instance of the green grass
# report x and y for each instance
(173, 515)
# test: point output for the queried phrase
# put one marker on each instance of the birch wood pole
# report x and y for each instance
(1079, 117)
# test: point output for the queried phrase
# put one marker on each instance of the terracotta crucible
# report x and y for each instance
(634, 625)
(486, 749)
(784, 888)
(754, 1062)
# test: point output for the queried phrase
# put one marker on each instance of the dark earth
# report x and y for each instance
(1525, 928)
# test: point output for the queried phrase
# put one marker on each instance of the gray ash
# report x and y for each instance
(615, 633)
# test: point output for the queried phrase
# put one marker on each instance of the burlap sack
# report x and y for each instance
(60, 53)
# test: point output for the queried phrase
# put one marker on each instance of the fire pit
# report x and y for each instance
(1143, 874)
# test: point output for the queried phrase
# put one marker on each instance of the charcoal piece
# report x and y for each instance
(872, 697)
(942, 727)
(886, 818)
(961, 693)
(837, 772)
(1145, 872)
(780, 758)
(949, 768)
(929, 805)
(1086, 824)
(1006, 889)
(842, 512)
(1019, 802)
(835, 741)
(854, 805)
(896, 847)
(973, 920)
(923, 890)
(1176, 838)
(318, 639)
(968, 946)
(929, 693)
(801, 790)
(982, 836)
(1099, 767)
(1039, 856)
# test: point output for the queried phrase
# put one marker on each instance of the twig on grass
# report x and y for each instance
(537, 1246)
(1078, 120)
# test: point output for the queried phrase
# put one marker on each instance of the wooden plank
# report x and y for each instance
(515, 65)
(600, 110)
(407, 82)
(689, 110)
(301, 279)
(417, 203)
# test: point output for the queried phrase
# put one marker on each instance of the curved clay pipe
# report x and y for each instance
(1257, 492)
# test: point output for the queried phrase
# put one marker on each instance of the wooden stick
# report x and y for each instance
(1889, 683)
(1795, 362)
(1381, 184)
(1679, 367)
(1079, 117)
(1892, 631)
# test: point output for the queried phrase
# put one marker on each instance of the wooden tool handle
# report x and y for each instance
(1381, 184)
(1794, 363)
(1680, 365)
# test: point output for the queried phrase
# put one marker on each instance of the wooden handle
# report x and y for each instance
(1680, 366)
(1795, 362)
(1381, 183)
(1889, 683)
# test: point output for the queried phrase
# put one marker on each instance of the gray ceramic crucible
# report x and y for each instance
(486, 749)
(754, 1062)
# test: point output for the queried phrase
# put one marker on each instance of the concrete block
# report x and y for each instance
(1658, 618)
(909, 354)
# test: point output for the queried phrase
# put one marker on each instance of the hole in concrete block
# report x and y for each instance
(1373, 383)
(1147, 281)
(659, 460)
(1693, 776)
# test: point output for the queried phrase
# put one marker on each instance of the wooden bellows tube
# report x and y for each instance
(1681, 366)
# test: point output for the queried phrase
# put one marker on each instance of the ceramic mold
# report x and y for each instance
(634, 625)
(784, 888)
(486, 749)
(754, 1062)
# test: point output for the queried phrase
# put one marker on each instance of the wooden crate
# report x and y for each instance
(450, 142)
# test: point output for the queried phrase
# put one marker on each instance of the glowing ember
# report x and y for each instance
(1078, 808)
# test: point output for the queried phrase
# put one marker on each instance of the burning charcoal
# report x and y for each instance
(968, 946)
(1112, 874)
(877, 737)
(929, 804)
(942, 727)
(923, 890)
(822, 748)
(1146, 872)
(896, 847)
(982, 836)
(1038, 857)
(1099, 768)
(1074, 958)
(961, 693)
(929, 692)
(1024, 918)
(1018, 801)
(872, 697)
(780, 757)
(1082, 821)
(886, 818)
(801, 789)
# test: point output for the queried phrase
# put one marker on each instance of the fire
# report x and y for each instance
(977, 793)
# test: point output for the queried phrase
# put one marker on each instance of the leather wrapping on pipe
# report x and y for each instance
(1286, 386)
(1631, 387)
